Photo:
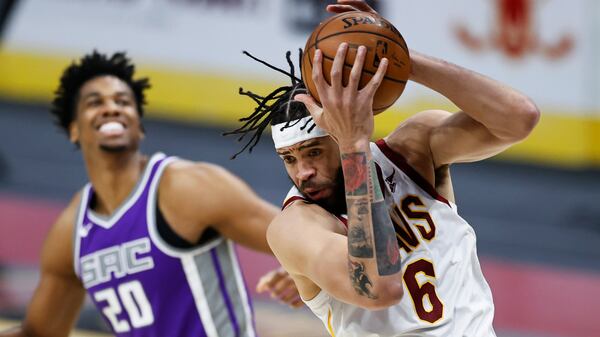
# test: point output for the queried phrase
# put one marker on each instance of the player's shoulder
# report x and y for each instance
(186, 174)
(412, 139)
(67, 218)
(417, 128)
(57, 254)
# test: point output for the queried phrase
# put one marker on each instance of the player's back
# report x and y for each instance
(445, 293)
(146, 285)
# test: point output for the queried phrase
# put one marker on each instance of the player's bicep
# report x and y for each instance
(460, 138)
(244, 215)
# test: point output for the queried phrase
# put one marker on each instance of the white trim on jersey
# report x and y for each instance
(79, 226)
(151, 220)
(192, 274)
(242, 289)
(108, 223)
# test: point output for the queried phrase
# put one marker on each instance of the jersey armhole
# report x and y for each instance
(401, 162)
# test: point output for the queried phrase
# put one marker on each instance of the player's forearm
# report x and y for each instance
(372, 247)
(507, 113)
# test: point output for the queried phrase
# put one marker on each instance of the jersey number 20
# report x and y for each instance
(134, 300)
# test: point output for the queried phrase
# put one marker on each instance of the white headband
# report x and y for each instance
(296, 133)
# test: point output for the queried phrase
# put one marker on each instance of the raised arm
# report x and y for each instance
(59, 294)
(493, 116)
(373, 260)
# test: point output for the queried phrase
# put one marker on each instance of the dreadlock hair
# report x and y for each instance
(89, 67)
(275, 108)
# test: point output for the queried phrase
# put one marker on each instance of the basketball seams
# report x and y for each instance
(317, 40)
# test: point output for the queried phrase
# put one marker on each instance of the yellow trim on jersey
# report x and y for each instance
(329, 327)
(571, 140)
(429, 278)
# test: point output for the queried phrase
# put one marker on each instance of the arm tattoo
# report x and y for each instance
(355, 173)
(359, 234)
(360, 280)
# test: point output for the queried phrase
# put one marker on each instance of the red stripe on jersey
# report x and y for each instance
(402, 164)
(343, 220)
(290, 200)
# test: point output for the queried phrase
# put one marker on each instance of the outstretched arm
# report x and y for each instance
(195, 196)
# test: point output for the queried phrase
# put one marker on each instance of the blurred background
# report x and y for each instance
(535, 208)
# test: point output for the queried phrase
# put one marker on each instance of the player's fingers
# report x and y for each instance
(289, 295)
(340, 9)
(311, 105)
(353, 4)
(376, 80)
(357, 67)
(337, 69)
(263, 283)
(317, 72)
(297, 303)
(283, 287)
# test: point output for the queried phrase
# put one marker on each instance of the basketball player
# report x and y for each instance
(150, 237)
(383, 250)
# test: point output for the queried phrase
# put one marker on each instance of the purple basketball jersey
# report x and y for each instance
(145, 287)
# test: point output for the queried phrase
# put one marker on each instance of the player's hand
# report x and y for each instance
(281, 286)
(343, 6)
(347, 112)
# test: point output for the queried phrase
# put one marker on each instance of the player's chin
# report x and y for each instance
(116, 146)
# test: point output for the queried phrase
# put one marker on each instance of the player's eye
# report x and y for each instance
(123, 102)
(288, 159)
(94, 103)
(314, 152)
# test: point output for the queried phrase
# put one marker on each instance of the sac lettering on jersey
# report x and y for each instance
(116, 262)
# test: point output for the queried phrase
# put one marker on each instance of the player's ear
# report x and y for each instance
(73, 133)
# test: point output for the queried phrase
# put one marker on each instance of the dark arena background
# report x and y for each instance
(535, 208)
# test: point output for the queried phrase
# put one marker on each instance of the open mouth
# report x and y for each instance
(315, 194)
(111, 128)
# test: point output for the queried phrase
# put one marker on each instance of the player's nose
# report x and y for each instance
(305, 171)
(111, 108)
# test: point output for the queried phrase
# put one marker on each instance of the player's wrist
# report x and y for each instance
(353, 145)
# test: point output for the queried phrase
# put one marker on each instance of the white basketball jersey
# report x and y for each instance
(445, 293)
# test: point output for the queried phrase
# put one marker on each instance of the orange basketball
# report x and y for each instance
(380, 38)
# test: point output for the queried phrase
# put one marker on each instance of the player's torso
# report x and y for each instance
(144, 286)
(445, 293)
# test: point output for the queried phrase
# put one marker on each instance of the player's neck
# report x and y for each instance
(113, 177)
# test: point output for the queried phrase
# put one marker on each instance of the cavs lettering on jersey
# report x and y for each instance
(445, 293)
(145, 287)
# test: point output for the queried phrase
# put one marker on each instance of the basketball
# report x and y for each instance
(380, 38)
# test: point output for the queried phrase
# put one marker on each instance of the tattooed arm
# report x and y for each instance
(312, 246)
(373, 255)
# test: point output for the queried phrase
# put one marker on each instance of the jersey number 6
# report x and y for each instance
(435, 307)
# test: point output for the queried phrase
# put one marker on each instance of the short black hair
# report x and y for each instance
(277, 107)
(89, 67)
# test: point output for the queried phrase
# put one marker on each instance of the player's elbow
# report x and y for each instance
(388, 294)
(526, 115)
